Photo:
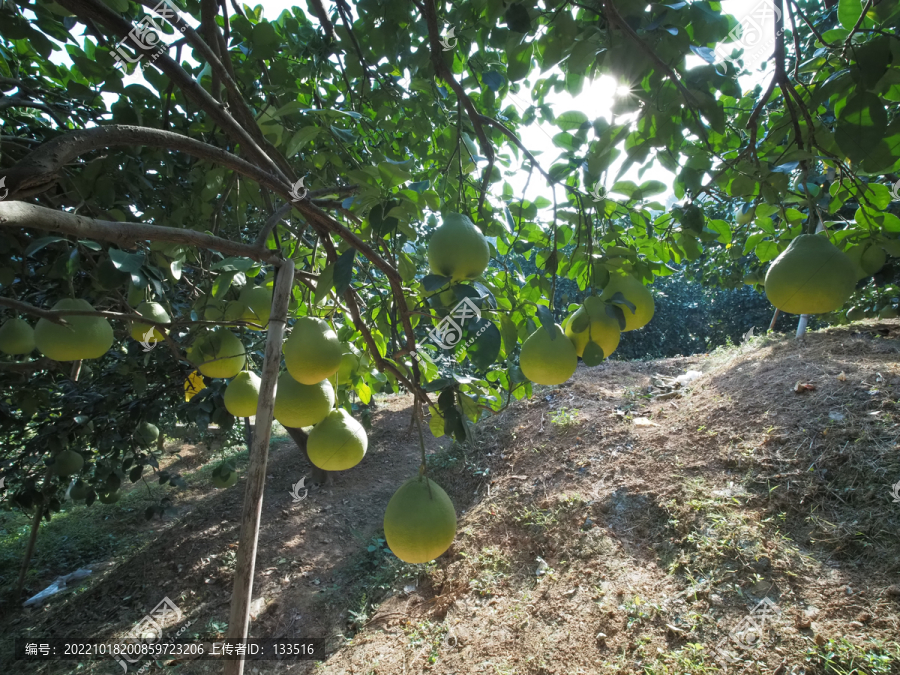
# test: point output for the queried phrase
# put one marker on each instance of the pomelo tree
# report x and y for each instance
(220, 179)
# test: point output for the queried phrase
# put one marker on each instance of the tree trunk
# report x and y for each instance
(319, 476)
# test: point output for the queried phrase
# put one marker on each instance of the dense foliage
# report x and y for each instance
(391, 125)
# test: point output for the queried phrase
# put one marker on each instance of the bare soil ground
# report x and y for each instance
(600, 531)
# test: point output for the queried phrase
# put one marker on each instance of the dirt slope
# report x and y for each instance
(661, 523)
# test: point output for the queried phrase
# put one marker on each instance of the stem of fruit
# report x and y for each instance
(424, 470)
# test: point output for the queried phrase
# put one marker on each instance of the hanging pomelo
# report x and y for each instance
(419, 521)
(155, 312)
(349, 365)
(146, 434)
(302, 405)
(218, 353)
(85, 337)
(338, 442)
(856, 314)
(458, 249)
(811, 276)
(79, 490)
(68, 462)
(224, 475)
(242, 394)
(313, 351)
(16, 337)
(869, 257)
(546, 360)
(636, 293)
(193, 385)
(257, 306)
(593, 323)
(214, 310)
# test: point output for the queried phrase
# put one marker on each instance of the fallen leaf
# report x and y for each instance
(842, 377)
(800, 387)
(644, 422)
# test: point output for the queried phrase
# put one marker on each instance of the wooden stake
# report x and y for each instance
(239, 620)
(35, 526)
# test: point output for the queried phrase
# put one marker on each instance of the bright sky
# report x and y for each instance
(595, 100)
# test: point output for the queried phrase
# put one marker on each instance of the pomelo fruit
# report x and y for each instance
(234, 310)
(146, 434)
(856, 314)
(338, 442)
(68, 462)
(109, 497)
(155, 312)
(79, 490)
(811, 276)
(869, 257)
(888, 312)
(257, 305)
(193, 385)
(16, 337)
(214, 310)
(242, 394)
(86, 337)
(349, 365)
(302, 405)
(602, 328)
(218, 353)
(313, 351)
(546, 360)
(224, 476)
(419, 521)
(458, 249)
(637, 294)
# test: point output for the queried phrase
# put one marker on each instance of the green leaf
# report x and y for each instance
(324, 285)
(517, 18)
(861, 125)
(593, 354)
(364, 392)
(300, 139)
(126, 262)
(435, 422)
(580, 323)
(509, 334)
(343, 271)
(407, 267)
(434, 282)
(546, 319)
(484, 351)
(518, 62)
(849, 12)
(573, 119)
(619, 299)
(222, 284)
(38, 244)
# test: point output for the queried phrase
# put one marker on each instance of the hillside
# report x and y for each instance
(662, 523)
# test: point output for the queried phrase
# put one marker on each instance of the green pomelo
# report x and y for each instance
(85, 337)
(458, 249)
(419, 521)
(546, 360)
(234, 310)
(16, 337)
(214, 310)
(218, 354)
(888, 312)
(257, 306)
(868, 257)
(146, 434)
(155, 312)
(811, 276)
(338, 442)
(224, 476)
(300, 405)
(79, 491)
(109, 497)
(602, 328)
(349, 364)
(856, 314)
(68, 462)
(313, 351)
(242, 394)
(637, 294)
